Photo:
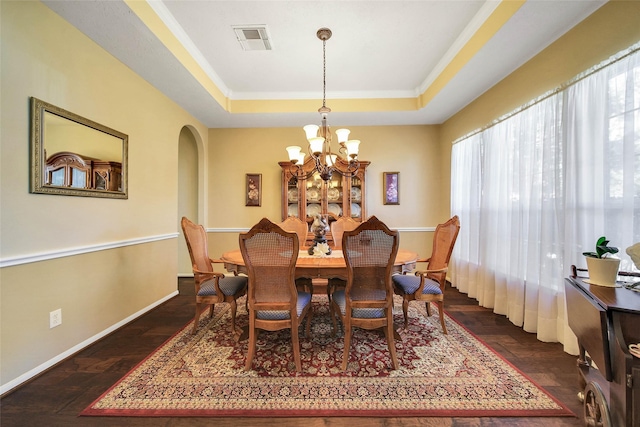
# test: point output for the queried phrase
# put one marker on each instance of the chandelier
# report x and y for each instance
(345, 160)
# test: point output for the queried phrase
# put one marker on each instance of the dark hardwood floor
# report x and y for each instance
(56, 397)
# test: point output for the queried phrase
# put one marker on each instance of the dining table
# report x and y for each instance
(325, 267)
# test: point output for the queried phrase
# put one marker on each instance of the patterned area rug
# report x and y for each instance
(439, 375)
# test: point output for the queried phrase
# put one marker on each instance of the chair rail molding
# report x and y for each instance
(44, 256)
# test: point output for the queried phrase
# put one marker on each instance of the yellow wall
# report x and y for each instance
(45, 57)
(413, 151)
(94, 291)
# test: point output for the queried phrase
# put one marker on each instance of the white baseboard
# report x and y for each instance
(51, 362)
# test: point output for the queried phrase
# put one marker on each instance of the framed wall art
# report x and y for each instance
(253, 190)
(391, 183)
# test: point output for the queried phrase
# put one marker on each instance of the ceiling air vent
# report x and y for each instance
(253, 37)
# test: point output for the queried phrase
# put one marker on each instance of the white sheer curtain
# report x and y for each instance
(538, 188)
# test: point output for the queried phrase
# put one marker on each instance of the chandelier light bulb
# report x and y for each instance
(311, 131)
(352, 148)
(343, 135)
(316, 144)
(294, 153)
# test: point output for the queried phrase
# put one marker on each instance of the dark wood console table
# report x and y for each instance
(606, 320)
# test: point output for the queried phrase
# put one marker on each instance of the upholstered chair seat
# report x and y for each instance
(360, 313)
(410, 284)
(230, 285)
(304, 299)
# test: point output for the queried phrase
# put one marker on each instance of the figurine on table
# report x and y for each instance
(319, 228)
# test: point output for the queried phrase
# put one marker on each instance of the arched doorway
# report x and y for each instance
(188, 190)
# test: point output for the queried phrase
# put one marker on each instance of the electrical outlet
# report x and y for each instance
(55, 318)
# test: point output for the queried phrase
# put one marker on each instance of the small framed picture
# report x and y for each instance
(253, 190)
(391, 183)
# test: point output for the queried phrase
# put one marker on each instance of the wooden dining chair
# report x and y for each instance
(301, 228)
(428, 285)
(270, 254)
(367, 301)
(338, 227)
(298, 226)
(211, 287)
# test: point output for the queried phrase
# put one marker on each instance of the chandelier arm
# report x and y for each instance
(297, 172)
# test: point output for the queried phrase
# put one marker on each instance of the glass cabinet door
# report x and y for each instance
(291, 194)
(355, 206)
(335, 195)
(316, 199)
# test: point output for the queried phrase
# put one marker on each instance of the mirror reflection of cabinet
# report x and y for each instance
(107, 175)
(67, 170)
(71, 170)
(308, 195)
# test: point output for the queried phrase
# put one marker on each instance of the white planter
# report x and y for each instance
(603, 271)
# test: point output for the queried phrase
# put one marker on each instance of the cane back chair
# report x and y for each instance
(298, 226)
(270, 255)
(301, 228)
(367, 301)
(211, 287)
(338, 227)
(428, 285)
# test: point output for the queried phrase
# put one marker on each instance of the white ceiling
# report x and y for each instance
(379, 49)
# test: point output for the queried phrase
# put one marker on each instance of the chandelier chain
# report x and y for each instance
(324, 73)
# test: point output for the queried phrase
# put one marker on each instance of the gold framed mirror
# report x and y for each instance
(74, 156)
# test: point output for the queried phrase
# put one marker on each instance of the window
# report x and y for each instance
(537, 189)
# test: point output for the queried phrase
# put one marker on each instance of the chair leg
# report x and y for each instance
(196, 318)
(441, 313)
(211, 311)
(296, 345)
(405, 311)
(333, 312)
(428, 307)
(390, 340)
(304, 284)
(251, 350)
(234, 309)
(347, 343)
(309, 316)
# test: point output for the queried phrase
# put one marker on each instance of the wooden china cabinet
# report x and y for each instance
(306, 194)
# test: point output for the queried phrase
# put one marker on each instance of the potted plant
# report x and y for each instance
(603, 270)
